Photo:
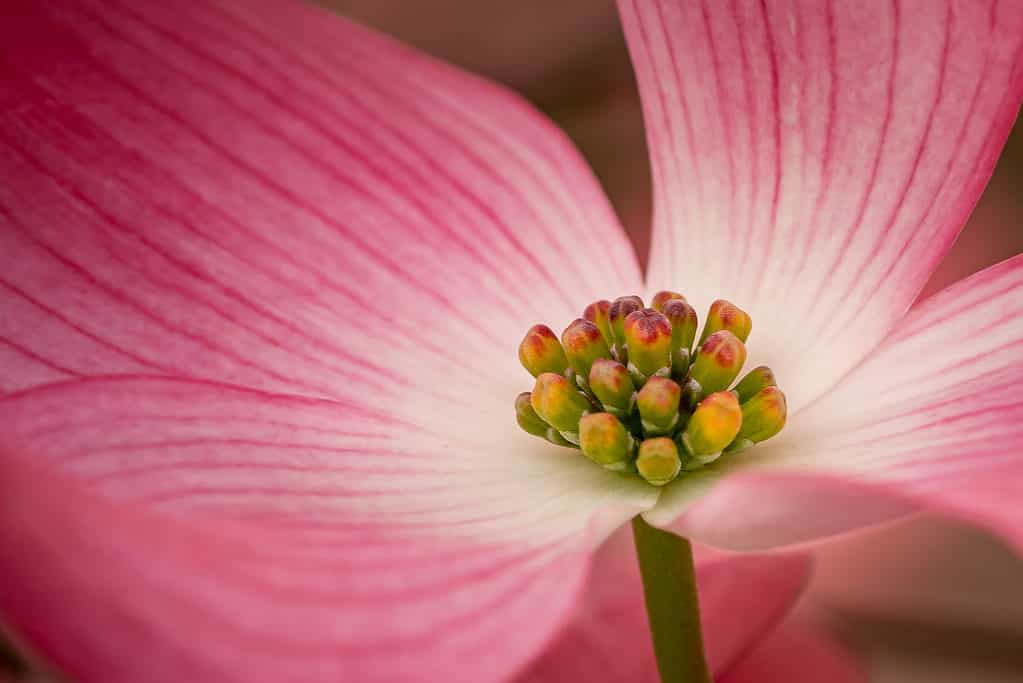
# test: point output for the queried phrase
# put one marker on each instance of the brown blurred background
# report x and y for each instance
(923, 601)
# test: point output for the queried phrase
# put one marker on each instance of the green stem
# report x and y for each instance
(669, 587)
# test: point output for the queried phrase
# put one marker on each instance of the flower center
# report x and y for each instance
(626, 386)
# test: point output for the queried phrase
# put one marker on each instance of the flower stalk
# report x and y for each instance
(672, 606)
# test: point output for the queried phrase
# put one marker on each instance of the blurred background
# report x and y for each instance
(924, 601)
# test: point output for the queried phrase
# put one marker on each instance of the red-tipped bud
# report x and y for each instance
(718, 362)
(599, 313)
(540, 352)
(658, 461)
(605, 441)
(724, 315)
(658, 406)
(619, 311)
(612, 384)
(558, 402)
(583, 344)
(683, 321)
(648, 338)
(756, 379)
(661, 298)
(763, 416)
(713, 425)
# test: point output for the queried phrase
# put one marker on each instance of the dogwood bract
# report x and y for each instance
(265, 273)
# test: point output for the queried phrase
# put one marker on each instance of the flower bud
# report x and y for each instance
(605, 441)
(598, 313)
(763, 416)
(648, 338)
(718, 362)
(658, 461)
(619, 311)
(558, 403)
(658, 405)
(657, 303)
(527, 417)
(724, 315)
(713, 425)
(540, 352)
(683, 321)
(583, 344)
(756, 379)
(611, 383)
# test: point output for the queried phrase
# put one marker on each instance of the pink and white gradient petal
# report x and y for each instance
(813, 161)
(300, 203)
(933, 420)
(265, 270)
(108, 592)
(608, 638)
(264, 536)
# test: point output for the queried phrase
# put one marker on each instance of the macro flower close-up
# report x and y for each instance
(324, 360)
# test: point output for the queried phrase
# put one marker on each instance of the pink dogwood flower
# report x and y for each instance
(265, 272)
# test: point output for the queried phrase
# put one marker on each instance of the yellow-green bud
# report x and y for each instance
(713, 425)
(540, 352)
(756, 379)
(658, 461)
(658, 405)
(598, 313)
(684, 322)
(724, 315)
(619, 311)
(583, 344)
(657, 303)
(605, 441)
(763, 416)
(718, 362)
(558, 403)
(527, 417)
(612, 384)
(648, 338)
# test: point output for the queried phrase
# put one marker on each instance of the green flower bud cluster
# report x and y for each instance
(626, 386)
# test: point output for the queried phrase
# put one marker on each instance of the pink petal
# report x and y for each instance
(933, 420)
(797, 653)
(813, 161)
(608, 639)
(109, 593)
(266, 196)
(269, 195)
(376, 536)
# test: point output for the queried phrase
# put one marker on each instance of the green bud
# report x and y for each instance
(527, 417)
(612, 384)
(691, 394)
(556, 400)
(658, 405)
(657, 303)
(679, 365)
(763, 416)
(555, 437)
(684, 322)
(583, 344)
(619, 311)
(718, 362)
(648, 338)
(605, 441)
(598, 313)
(756, 379)
(540, 352)
(713, 425)
(724, 315)
(658, 461)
